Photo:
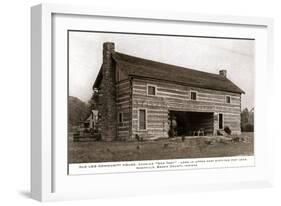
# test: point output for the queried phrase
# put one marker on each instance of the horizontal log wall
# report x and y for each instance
(176, 97)
(123, 101)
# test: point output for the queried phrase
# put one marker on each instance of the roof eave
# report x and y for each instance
(186, 84)
(98, 79)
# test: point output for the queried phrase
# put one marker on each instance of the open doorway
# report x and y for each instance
(183, 123)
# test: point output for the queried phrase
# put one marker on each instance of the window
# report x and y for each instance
(228, 99)
(120, 117)
(193, 95)
(142, 119)
(151, 90)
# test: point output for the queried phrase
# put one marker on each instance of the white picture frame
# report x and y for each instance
(49, 181)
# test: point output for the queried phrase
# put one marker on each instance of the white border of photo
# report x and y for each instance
(50, 179)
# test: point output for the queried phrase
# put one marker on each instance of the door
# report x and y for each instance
(220, 121)
(142, 119)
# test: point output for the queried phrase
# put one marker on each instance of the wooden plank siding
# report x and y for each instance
(174, 97)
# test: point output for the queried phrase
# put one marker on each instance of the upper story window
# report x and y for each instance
(151, 90)
(228, 99)
(193, 95)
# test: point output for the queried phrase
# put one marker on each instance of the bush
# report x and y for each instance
(227, 130)
(140, 139)
(248, 128)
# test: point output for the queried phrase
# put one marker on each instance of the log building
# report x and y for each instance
(148, 99)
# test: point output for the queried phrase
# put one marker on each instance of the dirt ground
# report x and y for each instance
(88, 151)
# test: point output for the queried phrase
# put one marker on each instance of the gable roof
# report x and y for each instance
(144, 68)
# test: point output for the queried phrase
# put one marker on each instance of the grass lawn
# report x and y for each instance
(92, 151)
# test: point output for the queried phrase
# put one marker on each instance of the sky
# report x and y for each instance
(237, 56)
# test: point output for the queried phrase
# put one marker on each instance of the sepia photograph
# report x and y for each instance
(136, 97)
(139, 102)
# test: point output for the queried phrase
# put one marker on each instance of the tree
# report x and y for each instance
(247, 120)
(94, 100)
(77, 111)
(245, 116)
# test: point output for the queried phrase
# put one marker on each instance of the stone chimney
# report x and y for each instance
(223, 73)
(108, 49)
(107, 102)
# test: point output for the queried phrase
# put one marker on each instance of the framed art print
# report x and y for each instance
(133, 102)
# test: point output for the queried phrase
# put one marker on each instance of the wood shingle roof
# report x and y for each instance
(144, 68)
